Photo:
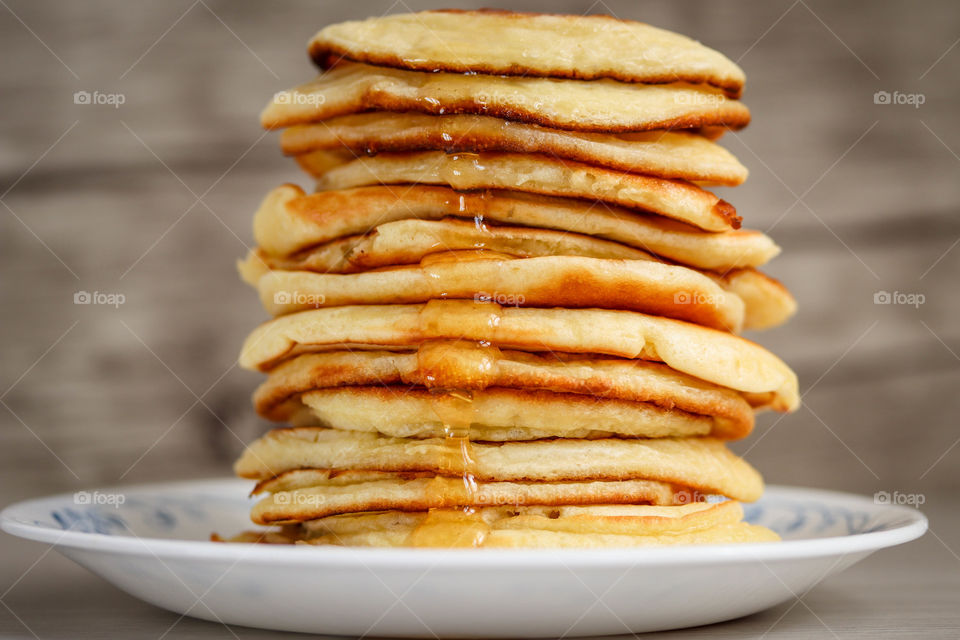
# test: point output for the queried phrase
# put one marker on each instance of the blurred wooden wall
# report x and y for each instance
(153, 200)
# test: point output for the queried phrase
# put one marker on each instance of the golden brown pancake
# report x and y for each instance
(585, 47)
(409, 241)
(289, 221)
(459, 531)
(539, 174)
(498, 414)
(718, 357)
(549, 281)
(665, 154)
(766, 302)
(528, 526)
(420, 492)
(702, 464)
(603, 519)
(603, 106)
(468, 367)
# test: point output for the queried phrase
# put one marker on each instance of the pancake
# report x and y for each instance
(289, 221)
(460, 533)
(599, 518)
(504, 375)
(532, 526)
(498, 414)
(451, 530)
(531, 173)
(655, 493)
(702, 464)
(603, 106)
(766, 302)
(396, 491)
(665, 154)
(549, 281)
(409, 241)
(586, 47)
(715, 356)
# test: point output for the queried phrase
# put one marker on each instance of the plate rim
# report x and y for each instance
(915, 525)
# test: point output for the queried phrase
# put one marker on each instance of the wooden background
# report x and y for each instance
(153, 200)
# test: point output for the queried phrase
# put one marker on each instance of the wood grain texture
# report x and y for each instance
(862, 197)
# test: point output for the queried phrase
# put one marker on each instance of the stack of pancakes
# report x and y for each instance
(509, 314)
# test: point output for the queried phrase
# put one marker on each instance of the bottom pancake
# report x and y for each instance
(536, 526)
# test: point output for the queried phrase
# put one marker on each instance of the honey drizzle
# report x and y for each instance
(450, 370)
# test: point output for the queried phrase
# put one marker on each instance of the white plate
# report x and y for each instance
(154, 546)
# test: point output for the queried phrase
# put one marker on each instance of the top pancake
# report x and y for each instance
(601, 105)
(559, 46)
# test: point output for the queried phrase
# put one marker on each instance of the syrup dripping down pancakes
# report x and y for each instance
(509, 314)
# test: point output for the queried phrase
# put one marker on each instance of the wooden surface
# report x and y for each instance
(153, 200)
